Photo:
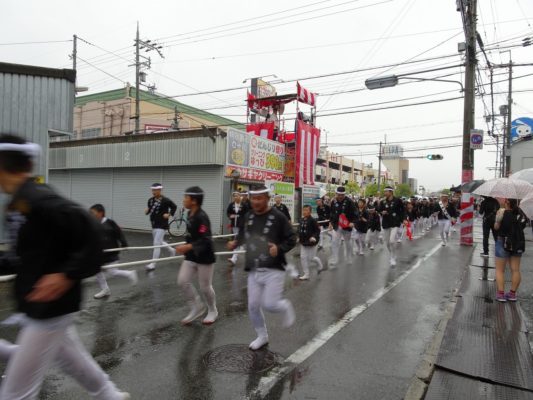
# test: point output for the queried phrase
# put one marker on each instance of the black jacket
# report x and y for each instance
(374, 223)
(199, 235)
(346, 207)
(283, 209)
(237, 222)
(112, 237)
(259, 230)
(309, 229)
(360, 225)
(395, 213)
(450, 208)
(157, 208)
(323, 214)
(488, 208)
(50, 234)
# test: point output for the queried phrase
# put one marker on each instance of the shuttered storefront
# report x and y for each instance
(125, 191)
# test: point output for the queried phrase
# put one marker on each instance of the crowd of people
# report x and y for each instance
(73, 242)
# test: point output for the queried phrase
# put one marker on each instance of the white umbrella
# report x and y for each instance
(524, 174)
(526, 204)
(506, 188)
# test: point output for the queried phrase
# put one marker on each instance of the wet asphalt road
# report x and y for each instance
(136, 337)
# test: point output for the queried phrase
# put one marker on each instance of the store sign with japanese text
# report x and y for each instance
(254, 157)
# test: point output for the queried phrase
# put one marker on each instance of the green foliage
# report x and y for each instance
(403, 190)
(352, 188)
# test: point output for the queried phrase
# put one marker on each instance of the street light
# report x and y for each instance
(392, 80)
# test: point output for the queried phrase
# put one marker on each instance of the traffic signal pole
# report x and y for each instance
(469, 11)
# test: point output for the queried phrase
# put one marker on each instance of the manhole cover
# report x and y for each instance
(239, 358)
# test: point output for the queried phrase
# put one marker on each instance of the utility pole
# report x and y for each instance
(469, 16)
(379, 169)
(507, 141)
(74, 52)
(470, 13)
(146, 45)
(137, 82)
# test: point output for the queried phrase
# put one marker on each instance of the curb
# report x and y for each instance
(424, 372)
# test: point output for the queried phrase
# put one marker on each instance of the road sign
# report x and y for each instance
(476, 139)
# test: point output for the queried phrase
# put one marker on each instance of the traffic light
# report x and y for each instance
(434, 157)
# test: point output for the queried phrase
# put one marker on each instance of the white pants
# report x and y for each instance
(444, 229)
(101, 276)
(389, 237)
(372, 237)
(159, 235)
(235, 257)
(43, 344)
(307, 256)
(205, 280)
(324, 236)
(336, 244)
(265, 292)
(359, 239)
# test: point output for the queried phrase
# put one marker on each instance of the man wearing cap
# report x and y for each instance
(341, 222)
(53, 245)
(236, 212)
(392, 217)
(160, 209)
(446, 215)
(268, 236)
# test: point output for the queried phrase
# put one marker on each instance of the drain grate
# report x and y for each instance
(237, 358)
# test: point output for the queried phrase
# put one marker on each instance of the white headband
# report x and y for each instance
(30, 149)
(193, 193)
(156, 187)
(260, 191)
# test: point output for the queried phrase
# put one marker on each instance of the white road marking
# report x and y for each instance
(307, 350)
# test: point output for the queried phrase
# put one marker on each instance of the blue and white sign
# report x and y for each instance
(521, 128)
(476, 139)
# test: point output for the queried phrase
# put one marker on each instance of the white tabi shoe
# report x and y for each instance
(211, 317)
(102, 293)
(290, 317)
(258, 343)
(196, 312)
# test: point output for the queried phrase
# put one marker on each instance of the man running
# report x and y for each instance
(393, 215)
(446, 215)
(199, 259)
(323, 211)
(236, 212)
(268, 236)
(281, 207)
(341, 222)
(309, 233)
(48, 289)
(160, 209)
(112, 237)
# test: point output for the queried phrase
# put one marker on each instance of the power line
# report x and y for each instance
(40, 42)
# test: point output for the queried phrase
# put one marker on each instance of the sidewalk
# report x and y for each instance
(485, 352)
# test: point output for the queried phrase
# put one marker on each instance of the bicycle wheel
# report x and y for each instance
(177, 228)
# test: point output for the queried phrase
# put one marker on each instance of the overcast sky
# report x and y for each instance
(205, 49)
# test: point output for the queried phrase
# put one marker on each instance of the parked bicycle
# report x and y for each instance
(178, 225)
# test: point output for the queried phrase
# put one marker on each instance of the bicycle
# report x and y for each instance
(178, 225)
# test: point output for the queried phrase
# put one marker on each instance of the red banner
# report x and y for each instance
(262, 129)
(307, 148)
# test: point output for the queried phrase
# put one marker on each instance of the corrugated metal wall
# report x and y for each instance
(31, 105)
(183, 151)
(125, 191)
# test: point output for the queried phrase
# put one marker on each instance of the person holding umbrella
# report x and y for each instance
(510, 245)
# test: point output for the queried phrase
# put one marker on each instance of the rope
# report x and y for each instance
(160, 246)
(7, 278)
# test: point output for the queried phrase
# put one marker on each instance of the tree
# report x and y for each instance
(352, 188)
(372, 189)
(403, 190)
